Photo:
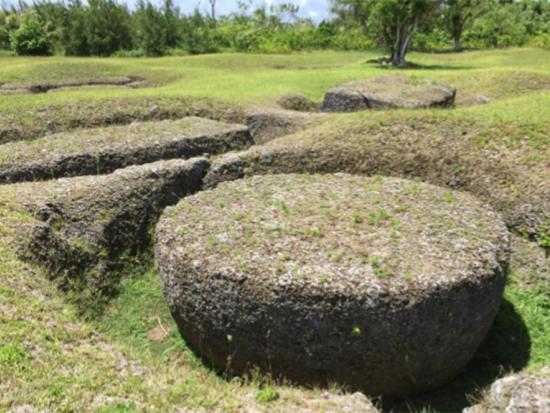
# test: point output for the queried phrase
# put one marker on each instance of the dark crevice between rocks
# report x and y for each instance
(107, 157)
(52, 119)
(128, 81)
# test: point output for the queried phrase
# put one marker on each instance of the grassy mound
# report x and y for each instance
(267, 123)
(103, 150)
(32, 122)
(297, 102)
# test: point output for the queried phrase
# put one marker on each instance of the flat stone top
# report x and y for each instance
(113, 138)
(341, 234)
(398, 90)
(97, 192)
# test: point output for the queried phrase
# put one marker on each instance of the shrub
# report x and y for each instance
(30, 39)
(129, 53)
(351, 40)
(541, 40)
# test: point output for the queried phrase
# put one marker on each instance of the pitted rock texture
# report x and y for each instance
(520, 393)
(440, 152)
(103, 150)
(79, 227)
(385, 285)
(388, 92)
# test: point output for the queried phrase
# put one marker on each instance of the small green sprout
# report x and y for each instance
(267, 395)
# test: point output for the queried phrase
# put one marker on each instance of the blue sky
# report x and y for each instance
(316, 9)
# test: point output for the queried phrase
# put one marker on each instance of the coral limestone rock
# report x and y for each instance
(388, 92)
(104, 150)
(385, 285)
(519, 393)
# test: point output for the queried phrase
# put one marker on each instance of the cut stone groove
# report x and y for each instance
(31, 124)
(384, 285)
(103, 150)
(129, 81)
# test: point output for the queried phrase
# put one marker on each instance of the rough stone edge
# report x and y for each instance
(90, 162)
(87, 265)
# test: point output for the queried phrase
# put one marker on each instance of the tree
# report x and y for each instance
(171, 15)
(397, 21)
(460, 13)
(393, 22)
(107, 27)
(74, 36)
(213, 10)
(4, 30)
(30, 38)
(150, 29)
(352, 13)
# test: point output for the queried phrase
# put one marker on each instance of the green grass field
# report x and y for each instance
(132, 358)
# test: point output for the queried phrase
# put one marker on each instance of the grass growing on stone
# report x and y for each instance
(335, 234)
(44, 344)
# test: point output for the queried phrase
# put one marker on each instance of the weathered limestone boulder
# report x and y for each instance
(103, 150)
(519, 393)
(80, 229)
(385, 285)
(388, 92)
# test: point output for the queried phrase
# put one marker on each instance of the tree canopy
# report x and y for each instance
(107, 27)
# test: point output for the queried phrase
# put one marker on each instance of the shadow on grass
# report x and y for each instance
(383, 63)
(506, 349)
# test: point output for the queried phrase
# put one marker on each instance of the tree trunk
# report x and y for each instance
(458, 44)
(213, 10)
(402, 43)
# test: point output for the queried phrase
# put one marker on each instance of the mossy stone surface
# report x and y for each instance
(385, 285)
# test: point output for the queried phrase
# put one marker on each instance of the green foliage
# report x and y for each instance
(30, 38)
(104, 27)
(11, 355)
(267, 394)
(8, 22)
(542, 41)
(499, 27)
(107, 27)
(150, 29)
(129, 53)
